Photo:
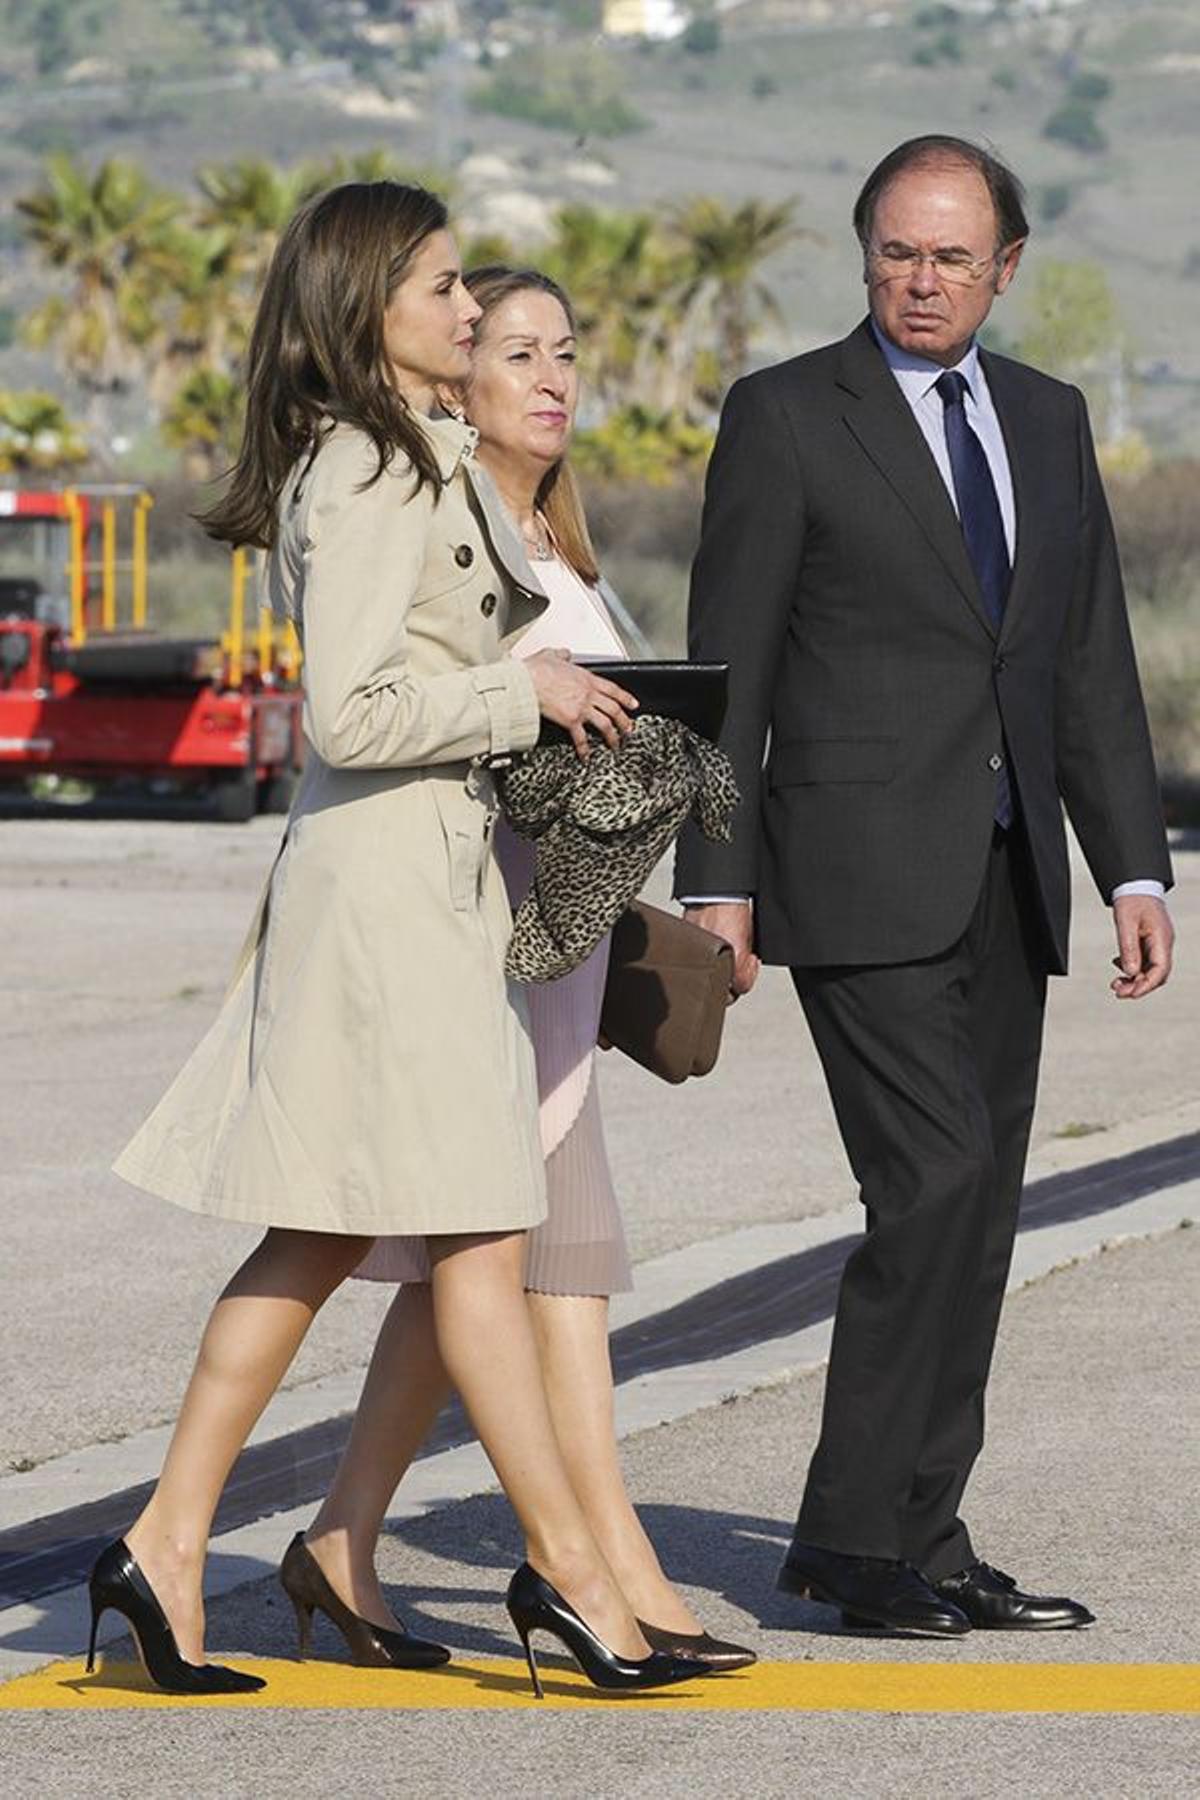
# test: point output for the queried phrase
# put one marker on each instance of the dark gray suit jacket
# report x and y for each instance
(833, 577)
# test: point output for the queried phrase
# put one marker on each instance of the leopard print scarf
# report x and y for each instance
(600, 827)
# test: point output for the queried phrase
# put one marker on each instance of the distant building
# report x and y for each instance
(644, 18)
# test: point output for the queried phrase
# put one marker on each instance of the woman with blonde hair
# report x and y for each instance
(521, 398)
(369, 1071)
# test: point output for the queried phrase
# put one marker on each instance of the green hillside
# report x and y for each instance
(782, 107)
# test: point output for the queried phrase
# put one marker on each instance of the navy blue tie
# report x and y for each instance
(982, 527)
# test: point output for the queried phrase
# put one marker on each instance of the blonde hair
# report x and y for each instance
(558, 496)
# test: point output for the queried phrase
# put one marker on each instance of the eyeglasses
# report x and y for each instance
(956, 266)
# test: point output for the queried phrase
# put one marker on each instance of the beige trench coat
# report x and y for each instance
(370, 1070)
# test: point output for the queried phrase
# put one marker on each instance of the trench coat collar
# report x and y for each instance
(453, 442)
(881, 419)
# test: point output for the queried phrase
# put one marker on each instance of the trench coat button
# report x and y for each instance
(995, 762)
(464, 556)
(487, 605)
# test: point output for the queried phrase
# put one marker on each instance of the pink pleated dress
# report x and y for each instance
(581, 1247)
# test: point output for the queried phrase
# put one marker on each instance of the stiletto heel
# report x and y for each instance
(304, 1625)
(97, 1611)
(117, 1582)
(531, 1659)
(533, 1605)
(371, 1646)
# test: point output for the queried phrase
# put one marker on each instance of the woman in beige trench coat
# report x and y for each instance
(369, 1071)
(521, 398)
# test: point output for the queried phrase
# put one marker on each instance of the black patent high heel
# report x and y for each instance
(371, 1646)
(533, 1605)
(118, 1584)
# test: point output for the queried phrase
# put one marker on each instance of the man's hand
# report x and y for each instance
(1145, 936)
(732, 920)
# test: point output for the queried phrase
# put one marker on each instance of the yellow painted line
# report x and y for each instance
(769, 1687)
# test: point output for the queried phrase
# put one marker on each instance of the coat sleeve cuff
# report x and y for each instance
(508, 691)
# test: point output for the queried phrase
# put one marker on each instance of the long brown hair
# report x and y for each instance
(317, 353)
(558, 497)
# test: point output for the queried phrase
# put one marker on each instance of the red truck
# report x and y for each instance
(84, 695)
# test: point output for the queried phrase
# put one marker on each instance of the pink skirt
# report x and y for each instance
(580, 1248)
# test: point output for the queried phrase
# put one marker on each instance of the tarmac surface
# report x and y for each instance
(118, 936)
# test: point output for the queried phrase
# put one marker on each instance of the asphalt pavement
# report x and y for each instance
(118, 936)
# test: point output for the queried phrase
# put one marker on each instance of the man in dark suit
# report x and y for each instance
(908, 563)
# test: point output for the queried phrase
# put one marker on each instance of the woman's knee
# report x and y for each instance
(487, 1253)
(314, 1262)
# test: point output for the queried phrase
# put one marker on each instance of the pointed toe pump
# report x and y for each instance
(118, 1585)
(719, 1657)
(533, 1605)
(370, 1646)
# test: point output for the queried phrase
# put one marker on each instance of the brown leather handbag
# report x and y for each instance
(669, 984)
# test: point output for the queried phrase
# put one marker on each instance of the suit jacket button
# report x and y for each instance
(995, 762)
(487, 605)
(1000, 665)
(464, 556)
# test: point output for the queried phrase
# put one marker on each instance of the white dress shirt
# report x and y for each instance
(917, 377)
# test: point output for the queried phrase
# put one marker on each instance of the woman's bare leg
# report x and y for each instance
(485, 1335)
(406, 1386)
(253, 1332)
(405, 1389)
(572, 1339)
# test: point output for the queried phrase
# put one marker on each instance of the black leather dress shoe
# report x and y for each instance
(871, 1591)
(993, 1602)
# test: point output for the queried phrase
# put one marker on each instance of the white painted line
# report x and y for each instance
(97, 1470)
(33, 1634)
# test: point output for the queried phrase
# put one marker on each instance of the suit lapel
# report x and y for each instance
(1034, 471)
(881, 419)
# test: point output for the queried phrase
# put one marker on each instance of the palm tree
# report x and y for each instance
(378, 164)
(251, 201)
(614, 266)
(203, 306)
(35, 433)
(105, 231)
(722, 296)
(204, 421)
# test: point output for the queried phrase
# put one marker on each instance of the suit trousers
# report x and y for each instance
(932, 1068)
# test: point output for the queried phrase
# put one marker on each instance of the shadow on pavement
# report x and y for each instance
(735, 1556)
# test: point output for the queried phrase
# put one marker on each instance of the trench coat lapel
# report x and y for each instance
(529, 597)
(1036, 475)
(880, 418)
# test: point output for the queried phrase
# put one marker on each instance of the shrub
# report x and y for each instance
(635, 443)
(1074, 123)
(945, 48)
(569, 90)
(1054, 200)
(1089, 87)
(702, 35)
(1158, 527)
